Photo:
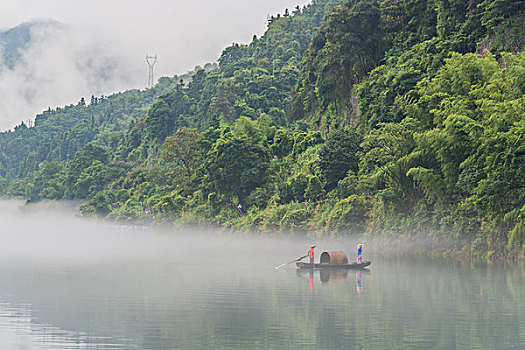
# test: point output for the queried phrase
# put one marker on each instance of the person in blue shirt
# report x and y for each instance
(359, 252)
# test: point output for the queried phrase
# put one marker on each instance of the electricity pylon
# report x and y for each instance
(151, 60)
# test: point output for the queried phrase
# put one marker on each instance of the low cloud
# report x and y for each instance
(100, 48)
(58, 67)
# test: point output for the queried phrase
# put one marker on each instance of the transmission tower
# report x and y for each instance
(151, 60)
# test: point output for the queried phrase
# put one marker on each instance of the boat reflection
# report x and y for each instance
(333, 276)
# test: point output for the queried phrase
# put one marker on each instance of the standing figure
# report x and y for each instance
(311, 255)
(359, 252)
(239, 209)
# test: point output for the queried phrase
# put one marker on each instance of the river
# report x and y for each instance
(68, 283)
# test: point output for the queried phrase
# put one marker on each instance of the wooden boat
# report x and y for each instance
(353, 265)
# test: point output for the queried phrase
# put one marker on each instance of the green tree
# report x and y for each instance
(339, 155)
(236, 167)
(182, 154)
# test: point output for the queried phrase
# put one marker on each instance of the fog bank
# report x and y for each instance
(57, 67)
(54, 233)
(100, 46)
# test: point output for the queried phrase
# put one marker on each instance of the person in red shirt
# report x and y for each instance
(311, 255)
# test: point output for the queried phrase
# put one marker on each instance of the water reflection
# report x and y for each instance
(19, 325)
(409, 304)
(358, 285)
(333, 276)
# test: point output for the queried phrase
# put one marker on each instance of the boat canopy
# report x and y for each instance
(334, 258)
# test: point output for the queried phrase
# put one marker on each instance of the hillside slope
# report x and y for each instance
(371, 117)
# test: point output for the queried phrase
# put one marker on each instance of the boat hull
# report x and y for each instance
(355, 266)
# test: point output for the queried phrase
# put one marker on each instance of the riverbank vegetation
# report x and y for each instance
(395, 118)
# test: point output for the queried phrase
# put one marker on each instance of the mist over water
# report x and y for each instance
(71, 283)
(55, 232)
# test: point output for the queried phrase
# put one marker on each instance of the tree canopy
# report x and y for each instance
(401, 117)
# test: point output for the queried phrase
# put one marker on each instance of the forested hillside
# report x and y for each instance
(57, 135)
(403, 118)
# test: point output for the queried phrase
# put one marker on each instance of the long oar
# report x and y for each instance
(301, 258)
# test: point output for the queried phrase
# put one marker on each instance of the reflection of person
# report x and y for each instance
(359, 252)
(358, 280)
(311, 255)
(311, 280)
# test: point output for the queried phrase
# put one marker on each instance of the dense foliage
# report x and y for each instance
(393, 117)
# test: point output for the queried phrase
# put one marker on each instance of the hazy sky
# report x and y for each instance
(182, 33)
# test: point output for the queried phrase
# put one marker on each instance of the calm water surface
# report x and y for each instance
(84, 286)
